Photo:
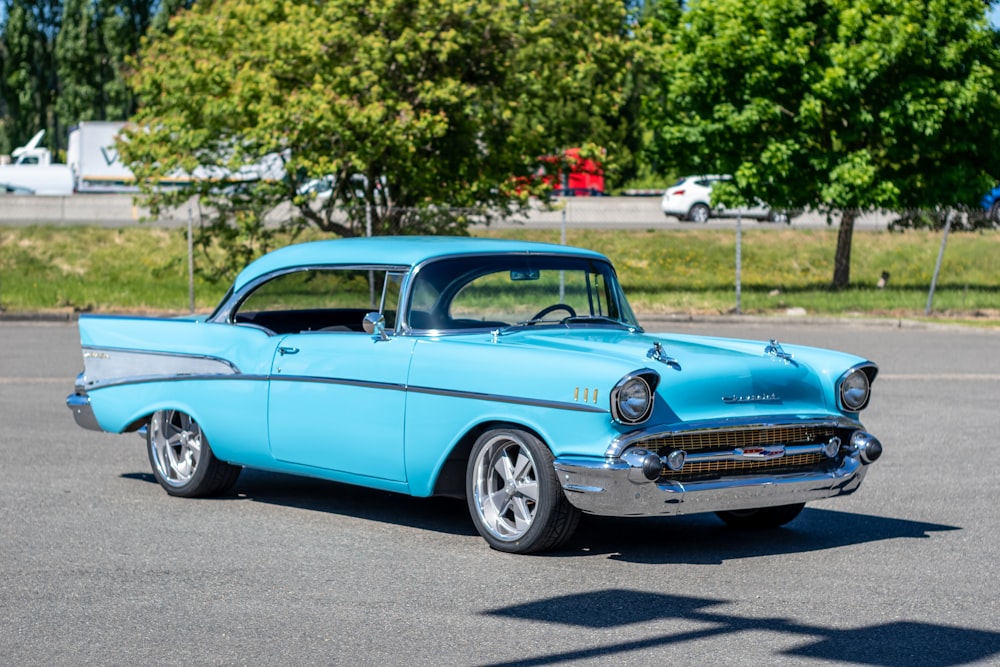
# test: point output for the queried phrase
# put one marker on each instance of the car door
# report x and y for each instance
(337, 402)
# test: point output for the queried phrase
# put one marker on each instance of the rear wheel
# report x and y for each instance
(763, 518)
(514, 496)
(181, 458)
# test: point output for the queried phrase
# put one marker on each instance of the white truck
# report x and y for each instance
(92, 164)
(32, 172)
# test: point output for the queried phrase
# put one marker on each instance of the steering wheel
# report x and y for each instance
(551, 309)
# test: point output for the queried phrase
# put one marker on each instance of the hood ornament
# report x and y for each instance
(773, 350)
(657, 353)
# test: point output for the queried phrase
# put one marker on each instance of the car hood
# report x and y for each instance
(701, 377)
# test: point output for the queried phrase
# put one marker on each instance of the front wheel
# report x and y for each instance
(761, 519)
(181, 459)
(514, 496)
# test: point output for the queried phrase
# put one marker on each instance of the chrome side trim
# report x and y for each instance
(114, 365)
(516, 400)
(146, 379)
(452, 393)
(626, 440)
(387, 386)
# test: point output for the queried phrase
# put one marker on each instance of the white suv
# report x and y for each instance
(690, 198)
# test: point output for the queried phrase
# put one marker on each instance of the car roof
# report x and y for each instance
(401, 251)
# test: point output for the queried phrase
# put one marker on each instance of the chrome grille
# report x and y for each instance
(727, 440)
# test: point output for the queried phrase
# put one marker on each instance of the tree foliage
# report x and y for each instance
(63, 61)
(28, 70)
(408, 110)
(841, 106)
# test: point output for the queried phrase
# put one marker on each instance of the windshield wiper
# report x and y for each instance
(600, 319)
(584, 320)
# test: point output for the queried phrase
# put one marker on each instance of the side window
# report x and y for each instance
(391, 290)
(314, 300)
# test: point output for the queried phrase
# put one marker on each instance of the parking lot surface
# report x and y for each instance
(99, 566)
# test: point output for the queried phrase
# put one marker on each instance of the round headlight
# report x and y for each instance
(855, 390)
(632, 400)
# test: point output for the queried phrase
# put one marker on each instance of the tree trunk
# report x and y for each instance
(842, 260)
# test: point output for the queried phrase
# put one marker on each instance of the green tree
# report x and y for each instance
(28, 76)
(842, 106)
(95, 39)
(80, 53)
(410, 110)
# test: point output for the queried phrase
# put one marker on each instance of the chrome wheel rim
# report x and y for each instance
(505, 488)
(175, 442)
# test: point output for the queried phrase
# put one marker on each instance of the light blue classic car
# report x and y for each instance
(512, 374)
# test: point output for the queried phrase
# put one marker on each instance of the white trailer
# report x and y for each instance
(94, 159)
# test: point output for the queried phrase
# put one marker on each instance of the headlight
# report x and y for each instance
(632, 398)
(855, 390)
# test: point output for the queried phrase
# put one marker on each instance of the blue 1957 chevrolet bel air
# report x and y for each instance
(512, 374)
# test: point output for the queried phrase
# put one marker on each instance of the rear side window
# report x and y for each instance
(328, 300)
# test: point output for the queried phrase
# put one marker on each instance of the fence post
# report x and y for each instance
(739, 263)
(190, 251)
(937, 267)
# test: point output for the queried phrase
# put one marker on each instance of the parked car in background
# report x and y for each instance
(991, 204)
(511, 374)
(570, 174)
(690, 199)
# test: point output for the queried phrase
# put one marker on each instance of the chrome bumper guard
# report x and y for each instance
(79, 404)
(613, 487)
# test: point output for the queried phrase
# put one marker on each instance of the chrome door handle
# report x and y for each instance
(287, 350)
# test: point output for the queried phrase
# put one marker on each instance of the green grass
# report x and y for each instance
(135, 269)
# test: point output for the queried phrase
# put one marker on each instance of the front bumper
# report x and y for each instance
(611, 487)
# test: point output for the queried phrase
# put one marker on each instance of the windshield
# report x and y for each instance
(508, 290)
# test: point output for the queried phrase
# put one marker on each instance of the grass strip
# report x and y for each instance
(690, 271)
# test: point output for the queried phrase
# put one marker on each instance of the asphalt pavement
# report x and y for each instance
(98, 566)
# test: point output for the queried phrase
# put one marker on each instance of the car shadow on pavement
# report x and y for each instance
(444, 515)
(696, 539)
(702, 539)
(892, 644)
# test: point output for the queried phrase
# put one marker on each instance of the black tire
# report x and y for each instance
(698, 213)
(761, 519)
(514, 496)
(182, 459)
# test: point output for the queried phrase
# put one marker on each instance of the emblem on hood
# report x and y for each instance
(752, 398)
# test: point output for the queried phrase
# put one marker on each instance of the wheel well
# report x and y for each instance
(137, 424)
(451, 480)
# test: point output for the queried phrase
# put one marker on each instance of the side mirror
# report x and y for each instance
(374, 324)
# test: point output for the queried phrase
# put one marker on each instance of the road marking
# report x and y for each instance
(65, 381)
